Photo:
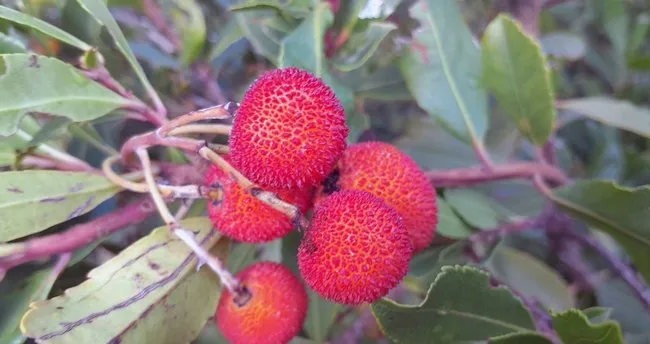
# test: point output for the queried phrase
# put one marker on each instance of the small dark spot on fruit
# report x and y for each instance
(59, 307)
(154, 266)
(256, 191)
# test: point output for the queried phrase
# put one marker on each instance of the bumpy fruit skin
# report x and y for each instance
(243, 217)
(275, 312)
(289, 130)
(355, 250)
(386, 172)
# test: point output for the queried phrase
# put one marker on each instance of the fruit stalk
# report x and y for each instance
(227, 279)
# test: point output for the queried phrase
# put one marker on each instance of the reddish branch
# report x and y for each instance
(78, 236)
(480, 174)
(153, 11)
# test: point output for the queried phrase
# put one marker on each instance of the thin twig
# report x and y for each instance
(172, 191)
(640, 290)
(227, 279)
(475, 175)
(265, 196)
(220, 129)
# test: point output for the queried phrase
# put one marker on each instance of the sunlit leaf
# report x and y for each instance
(149, 293)
(33, 83)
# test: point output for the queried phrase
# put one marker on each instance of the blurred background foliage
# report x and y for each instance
(598, 55)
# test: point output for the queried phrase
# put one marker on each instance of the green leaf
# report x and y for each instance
(303, 48)
(241, 256)
(620, 212)
(52, 129)
(597, 314)
(573, 327)
(433, 147)
(426, 266)
(460, 306)
(515, 70)
(228, 35)
(31, 201)
(20, 287)
(42, 27)
(474, 207)
(532, 277)
(361, 46)
(99, 10)
(11, 45)
(264, 39)
(564, 45)
(449, 225)
(7, 156)
(296, 8)
(442, 69)
(384, 84)
(621, 114)
(188, 19)
(626, 307)
(149, 293)
(33, 83)
(518, 338)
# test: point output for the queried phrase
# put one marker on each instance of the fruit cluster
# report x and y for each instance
(373, 207)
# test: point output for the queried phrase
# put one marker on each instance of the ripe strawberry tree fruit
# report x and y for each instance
(395, 178)
(289, 130)
(243, 217)
(356, 248)
(270, 308)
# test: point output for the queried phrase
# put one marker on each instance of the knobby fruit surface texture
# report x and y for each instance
(241, 216)
(289, 131)
(275, 312)
(356, 248)
(394, 177)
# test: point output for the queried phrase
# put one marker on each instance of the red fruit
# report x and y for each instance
(275, 311)
(243, 217)
(289, 130)
(356, 248)
(387, 173)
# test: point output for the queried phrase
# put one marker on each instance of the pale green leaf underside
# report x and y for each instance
(189, 20)
(621, 212)
(443, 69)
(34, 83)
(515, 70)
(43, 27)
(364, 45)
(460, 306)
(149, 293)
(610, 111)
(32, 201)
